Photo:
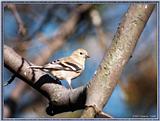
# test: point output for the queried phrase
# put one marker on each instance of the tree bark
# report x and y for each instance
(102, 85)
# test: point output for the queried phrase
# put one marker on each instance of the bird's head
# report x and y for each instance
(81, 53)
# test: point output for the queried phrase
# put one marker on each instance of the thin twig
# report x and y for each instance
(22, 30)
(97, 22)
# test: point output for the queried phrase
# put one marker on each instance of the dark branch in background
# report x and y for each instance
(10, 80)
(42, 18)
(101, 87)
(62, 99)
(22, 30)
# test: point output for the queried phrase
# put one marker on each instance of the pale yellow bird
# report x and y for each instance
(67, 68)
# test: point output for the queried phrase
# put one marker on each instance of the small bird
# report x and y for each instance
(67, 68)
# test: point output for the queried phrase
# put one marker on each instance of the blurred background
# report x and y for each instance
(42, 32)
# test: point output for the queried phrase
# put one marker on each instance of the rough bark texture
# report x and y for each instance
(124, 42)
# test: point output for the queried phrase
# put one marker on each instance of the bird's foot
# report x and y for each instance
(70, 87)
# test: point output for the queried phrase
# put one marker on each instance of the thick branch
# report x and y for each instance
(62, 99)
(104, 82)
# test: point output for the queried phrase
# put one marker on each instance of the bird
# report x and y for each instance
(67, 68)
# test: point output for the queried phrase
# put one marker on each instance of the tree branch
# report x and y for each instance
(22, 30)
(115, 59)
(62, 99)
(97, 23)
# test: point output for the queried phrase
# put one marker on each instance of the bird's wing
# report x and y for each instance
(53, 65)
(69, 64)
(63, 64)
(66, 64)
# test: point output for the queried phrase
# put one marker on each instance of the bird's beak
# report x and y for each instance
(87, 56)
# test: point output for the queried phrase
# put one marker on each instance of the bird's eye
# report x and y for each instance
(80, 53)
